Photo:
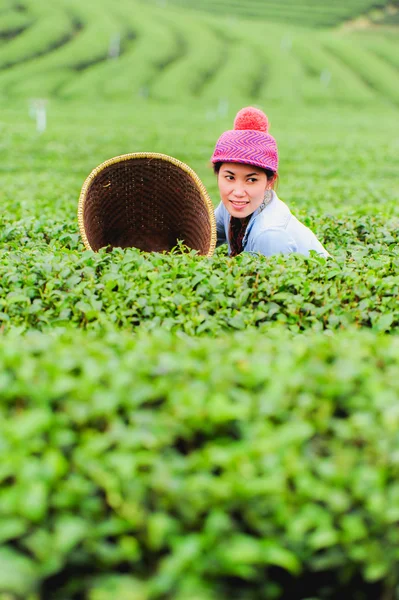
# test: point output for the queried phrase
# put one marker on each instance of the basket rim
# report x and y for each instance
(123, 157)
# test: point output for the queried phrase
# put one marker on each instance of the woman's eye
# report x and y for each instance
(252, 180)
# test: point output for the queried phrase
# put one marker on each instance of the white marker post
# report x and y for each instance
(114, 49)
(223, 107)
(325, 77)
(286, 43)
(38, 111)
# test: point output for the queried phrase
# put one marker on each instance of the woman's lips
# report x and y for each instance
(239, 205)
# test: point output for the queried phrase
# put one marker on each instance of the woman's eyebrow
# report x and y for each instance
(232, 173)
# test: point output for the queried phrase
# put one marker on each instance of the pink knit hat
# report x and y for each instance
(249, 143)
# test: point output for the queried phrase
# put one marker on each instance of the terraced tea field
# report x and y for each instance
(310, 13)
(175, 426)
(166, 54)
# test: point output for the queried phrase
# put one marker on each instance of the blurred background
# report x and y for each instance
(219, 51)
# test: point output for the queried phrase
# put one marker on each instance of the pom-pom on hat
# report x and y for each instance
(249, 143)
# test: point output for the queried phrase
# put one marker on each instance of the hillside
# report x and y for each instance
(130, 50)
(310, 13)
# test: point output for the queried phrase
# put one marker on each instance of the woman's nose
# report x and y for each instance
(239, 191)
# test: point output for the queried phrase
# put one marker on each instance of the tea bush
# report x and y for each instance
(115, 79)
(131, 289)
(376, 72)
(381, 46)
(55, 27)
(196, 467)
(13, 23)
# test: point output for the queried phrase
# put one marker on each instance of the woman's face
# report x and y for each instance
(242, 188)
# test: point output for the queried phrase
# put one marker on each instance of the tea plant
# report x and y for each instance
(283, 450)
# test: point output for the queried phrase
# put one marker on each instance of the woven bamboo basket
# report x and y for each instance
(148, 201)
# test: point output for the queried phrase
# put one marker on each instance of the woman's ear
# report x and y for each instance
(271, 182)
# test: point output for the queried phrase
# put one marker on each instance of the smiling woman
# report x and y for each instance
(250, 216)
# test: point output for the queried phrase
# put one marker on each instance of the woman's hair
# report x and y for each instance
(269, 174)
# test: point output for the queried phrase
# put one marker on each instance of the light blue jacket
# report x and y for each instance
(271, 230)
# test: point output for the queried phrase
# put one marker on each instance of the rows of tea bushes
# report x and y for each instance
(50, 286)
(164, 467)
(13, 23)
(65, 42)
(139, 65)
(197, 63)
(375, 71)
(49, 30)
(381, 46)
(169, 54)
(311, 13)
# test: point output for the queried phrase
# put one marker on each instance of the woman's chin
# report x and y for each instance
(239, 211)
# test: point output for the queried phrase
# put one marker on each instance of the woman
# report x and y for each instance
(251, 217)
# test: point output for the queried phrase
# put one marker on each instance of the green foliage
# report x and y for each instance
(382, 46)
(47, 279)
(13, 23)
(173, 426)
(378, 75)
(137, 69)
(194, 461)
(64, 51)
(311, 13)
(197, 63)
(324, 78)
(54, 27)
(170, 54)
(197, 295)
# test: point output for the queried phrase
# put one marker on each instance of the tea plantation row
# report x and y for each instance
(164, 467)
(128, 289)
(70, 50)
(311, 13)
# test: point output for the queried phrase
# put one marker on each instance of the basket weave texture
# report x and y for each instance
(148, 201)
